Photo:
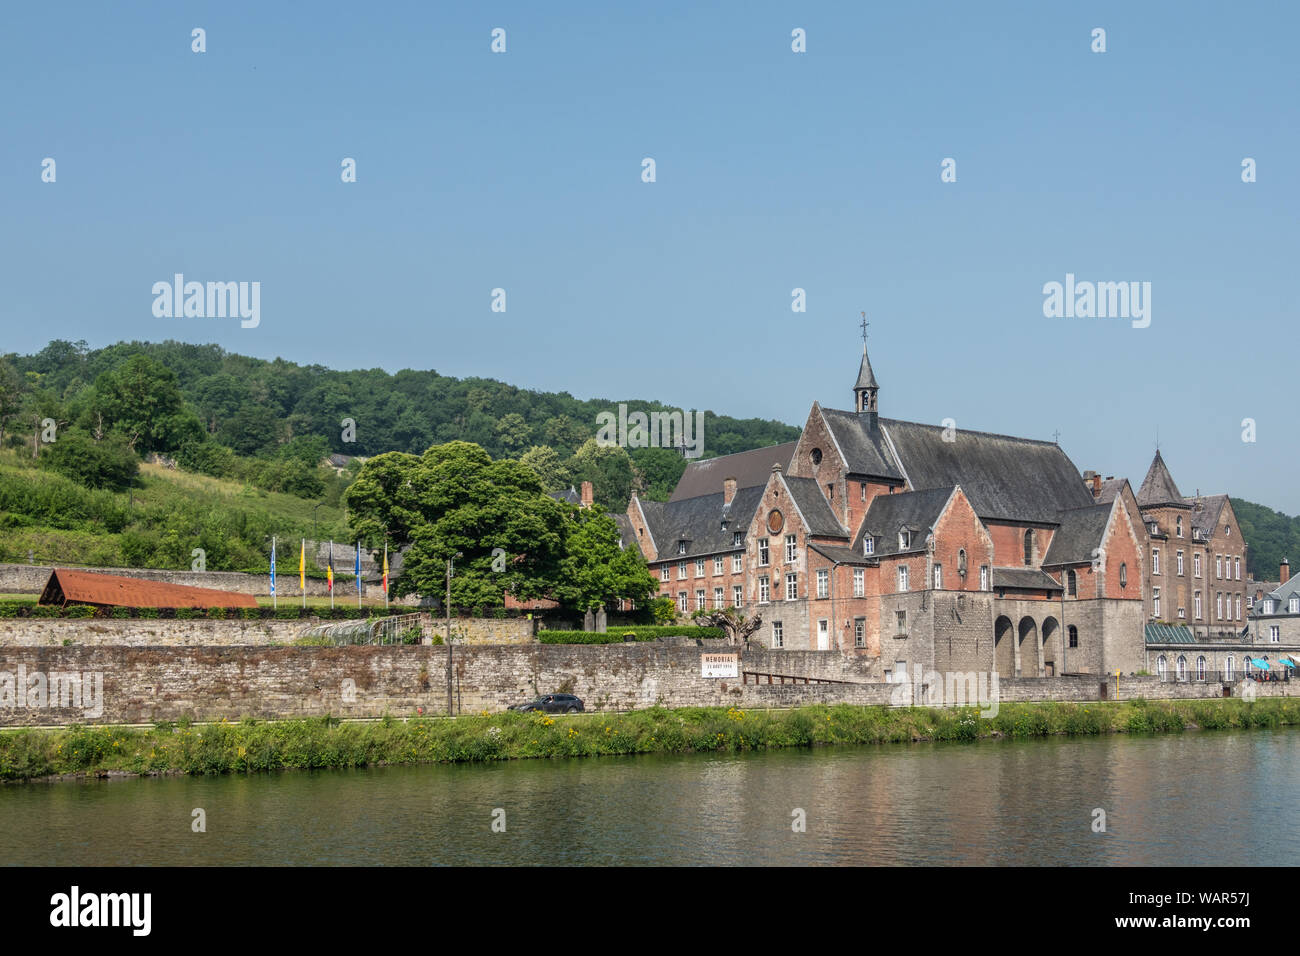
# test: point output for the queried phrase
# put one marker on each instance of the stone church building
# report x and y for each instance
(915, 546)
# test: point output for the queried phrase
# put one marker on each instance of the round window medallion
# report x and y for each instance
(775, 521)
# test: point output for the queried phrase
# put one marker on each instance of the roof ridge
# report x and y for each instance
(967, 431)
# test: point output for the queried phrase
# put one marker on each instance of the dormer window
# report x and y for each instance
(904, 539)
(1268, 606)
(868, 545)
(681, 547)
(1155, 528)
(736, 539)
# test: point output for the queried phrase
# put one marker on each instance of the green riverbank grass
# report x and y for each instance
(256, 746)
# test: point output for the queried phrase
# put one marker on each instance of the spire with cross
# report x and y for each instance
(865, 323)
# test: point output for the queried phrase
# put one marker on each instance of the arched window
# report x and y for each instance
(1228, 672)
(1074, 636)
(1029, 546)
(1180, 526)
(961, 562)
(1072, 582)
(1123, 575)
(1182, 667)
(1200, 667)
(816, 456)
(1162, 667)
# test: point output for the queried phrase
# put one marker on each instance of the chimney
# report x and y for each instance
(586, 494)
(728, 490)
(1284, 571)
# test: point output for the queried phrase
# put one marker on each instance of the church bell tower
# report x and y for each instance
(866, 390)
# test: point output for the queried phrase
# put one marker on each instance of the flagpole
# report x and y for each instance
(356, 573)
(385, 575)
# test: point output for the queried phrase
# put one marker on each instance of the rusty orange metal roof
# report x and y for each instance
(67, 586)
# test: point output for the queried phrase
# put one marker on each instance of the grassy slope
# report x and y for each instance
(251, 746)
(162, 494)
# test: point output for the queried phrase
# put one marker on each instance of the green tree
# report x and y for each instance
(545, 462)
(609, 469)
(109, 463)
(596, 571)
(142, 400)
(11, 395)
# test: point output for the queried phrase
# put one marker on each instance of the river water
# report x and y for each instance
(1220, 798)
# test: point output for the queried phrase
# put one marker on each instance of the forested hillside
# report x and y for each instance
(268, 422)
(1270, 537)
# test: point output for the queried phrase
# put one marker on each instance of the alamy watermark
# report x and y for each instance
(1098, 300)
(950, 689)
(653, 430)
(213, 300)
(58, 689)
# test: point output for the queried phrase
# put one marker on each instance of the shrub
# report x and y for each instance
(619, 635)
(78, 610)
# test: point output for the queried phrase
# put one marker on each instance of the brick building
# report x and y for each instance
(914, 546)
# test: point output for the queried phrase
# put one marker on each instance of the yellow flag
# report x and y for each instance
(302, 566)
(385, 567)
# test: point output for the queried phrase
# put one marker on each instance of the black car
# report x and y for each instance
(553, 704)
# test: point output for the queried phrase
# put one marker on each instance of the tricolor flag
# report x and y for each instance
(385, 569)
(356, 572)
(329, 570)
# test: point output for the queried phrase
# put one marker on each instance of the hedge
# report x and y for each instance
(618, 635)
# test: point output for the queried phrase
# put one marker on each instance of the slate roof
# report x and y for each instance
(749, 468)
(698, 520)
(1018, 479)
(918, 510)
(845, 555)
(1079, 533)
(1281, 595)
(865, 450)
(88, 587)
(1110, 489)
(866, 377)
(626, 533)
(1206, 518)
(571, 496)
(814, 507)
(1023, 578)
(1158, 487)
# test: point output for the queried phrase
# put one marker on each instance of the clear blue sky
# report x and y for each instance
(775, 170)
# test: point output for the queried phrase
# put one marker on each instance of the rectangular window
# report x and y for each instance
(764, 556)
(1238, 602)
(1274, 633)
(763, 592)
(1155, 560)
(1293, 605)
(717, 564)
(1268, 606)
(699, 600)
(1180, 563)
(736, 592)
(900, 621)
(1218, 601)
(1182, 613)
(902, 577)
(717, 598)
(1155, 602)
(859, 582)
(859, 631)
(737, 539)
(1196, 565)
(778, 634)
(984, 577)
(1196, 605)
(663, 573)
(1074, 636)
(681, 570)
(1218, 566)
(681, 601)
(863, 486)
(792, 587)
(823, 582)
(790, 552)
(699, 567)
(737, 562)
(1237, 562)
(868, 545)
(938, 577)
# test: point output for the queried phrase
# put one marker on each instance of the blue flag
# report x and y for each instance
(357, 569)
(273, 566)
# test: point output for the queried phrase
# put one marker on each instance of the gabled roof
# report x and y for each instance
(698, 521)
(866, 452)
(88, 587)
(1024, 579)
(1081, 531)
(1110, 489)
(749, 468)
(1015, 479)
(845, 555)
(571, 496)
(1206, 517)
(626, 533)
(814, 507)
(1282, 594)
(1158, 487)
(916, 510)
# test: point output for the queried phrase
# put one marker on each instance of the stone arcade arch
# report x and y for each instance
(1004, 651)
(1052, 654)
(1030, 649)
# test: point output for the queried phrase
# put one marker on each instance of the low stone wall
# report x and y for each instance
(31, 579)
(233, 632)
(145, 684)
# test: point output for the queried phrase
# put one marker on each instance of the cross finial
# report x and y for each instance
(865, 323)
(1056, 436)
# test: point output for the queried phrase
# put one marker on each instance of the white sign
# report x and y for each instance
(719, 665)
